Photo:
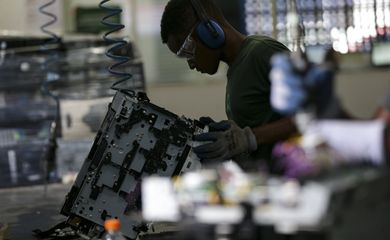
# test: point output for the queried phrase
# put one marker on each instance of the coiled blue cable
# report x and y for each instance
(51, 75)
(54, 39)
(116, 45)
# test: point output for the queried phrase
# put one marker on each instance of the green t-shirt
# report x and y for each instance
(248, 87)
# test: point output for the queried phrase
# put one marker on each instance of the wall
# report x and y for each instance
(8, 19)
(23, 16)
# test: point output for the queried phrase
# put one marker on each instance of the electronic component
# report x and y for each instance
(136, 139)
(346, 203)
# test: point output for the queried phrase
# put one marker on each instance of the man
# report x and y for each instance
(327, 140)
(197, 31)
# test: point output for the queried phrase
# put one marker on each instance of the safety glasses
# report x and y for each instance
(187, 50)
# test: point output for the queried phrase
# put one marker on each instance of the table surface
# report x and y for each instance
(27, 208)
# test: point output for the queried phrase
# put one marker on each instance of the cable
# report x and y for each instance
(116, 45)
(54, 39)
(50, 76)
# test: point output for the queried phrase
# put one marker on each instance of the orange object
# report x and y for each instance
(112, 224)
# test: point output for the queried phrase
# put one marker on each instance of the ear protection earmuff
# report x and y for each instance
(208, 30)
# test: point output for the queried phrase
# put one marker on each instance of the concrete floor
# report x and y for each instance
(29, 208)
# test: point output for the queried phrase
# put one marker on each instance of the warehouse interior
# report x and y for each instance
(61, 112)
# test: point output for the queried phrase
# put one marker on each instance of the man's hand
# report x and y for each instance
(226, 140)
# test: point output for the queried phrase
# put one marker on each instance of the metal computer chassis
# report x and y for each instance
(136, 139)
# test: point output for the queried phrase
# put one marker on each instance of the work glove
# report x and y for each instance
(225, 140)
(206, 121)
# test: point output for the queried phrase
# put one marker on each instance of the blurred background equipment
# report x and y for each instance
(95, 116)
(380, 53)
(83, 73)
(81, 66)
(349, 26)
(230, 204)
(25, 114)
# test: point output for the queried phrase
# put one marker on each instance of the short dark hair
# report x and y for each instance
(179, 16)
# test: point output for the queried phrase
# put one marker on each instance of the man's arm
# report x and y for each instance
(275, 131)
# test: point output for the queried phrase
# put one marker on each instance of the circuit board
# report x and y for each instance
(136, 139)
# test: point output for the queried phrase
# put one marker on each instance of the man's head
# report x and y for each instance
(179, 30)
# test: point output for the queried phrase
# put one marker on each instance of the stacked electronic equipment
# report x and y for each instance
(83, 72)
(25, 114)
